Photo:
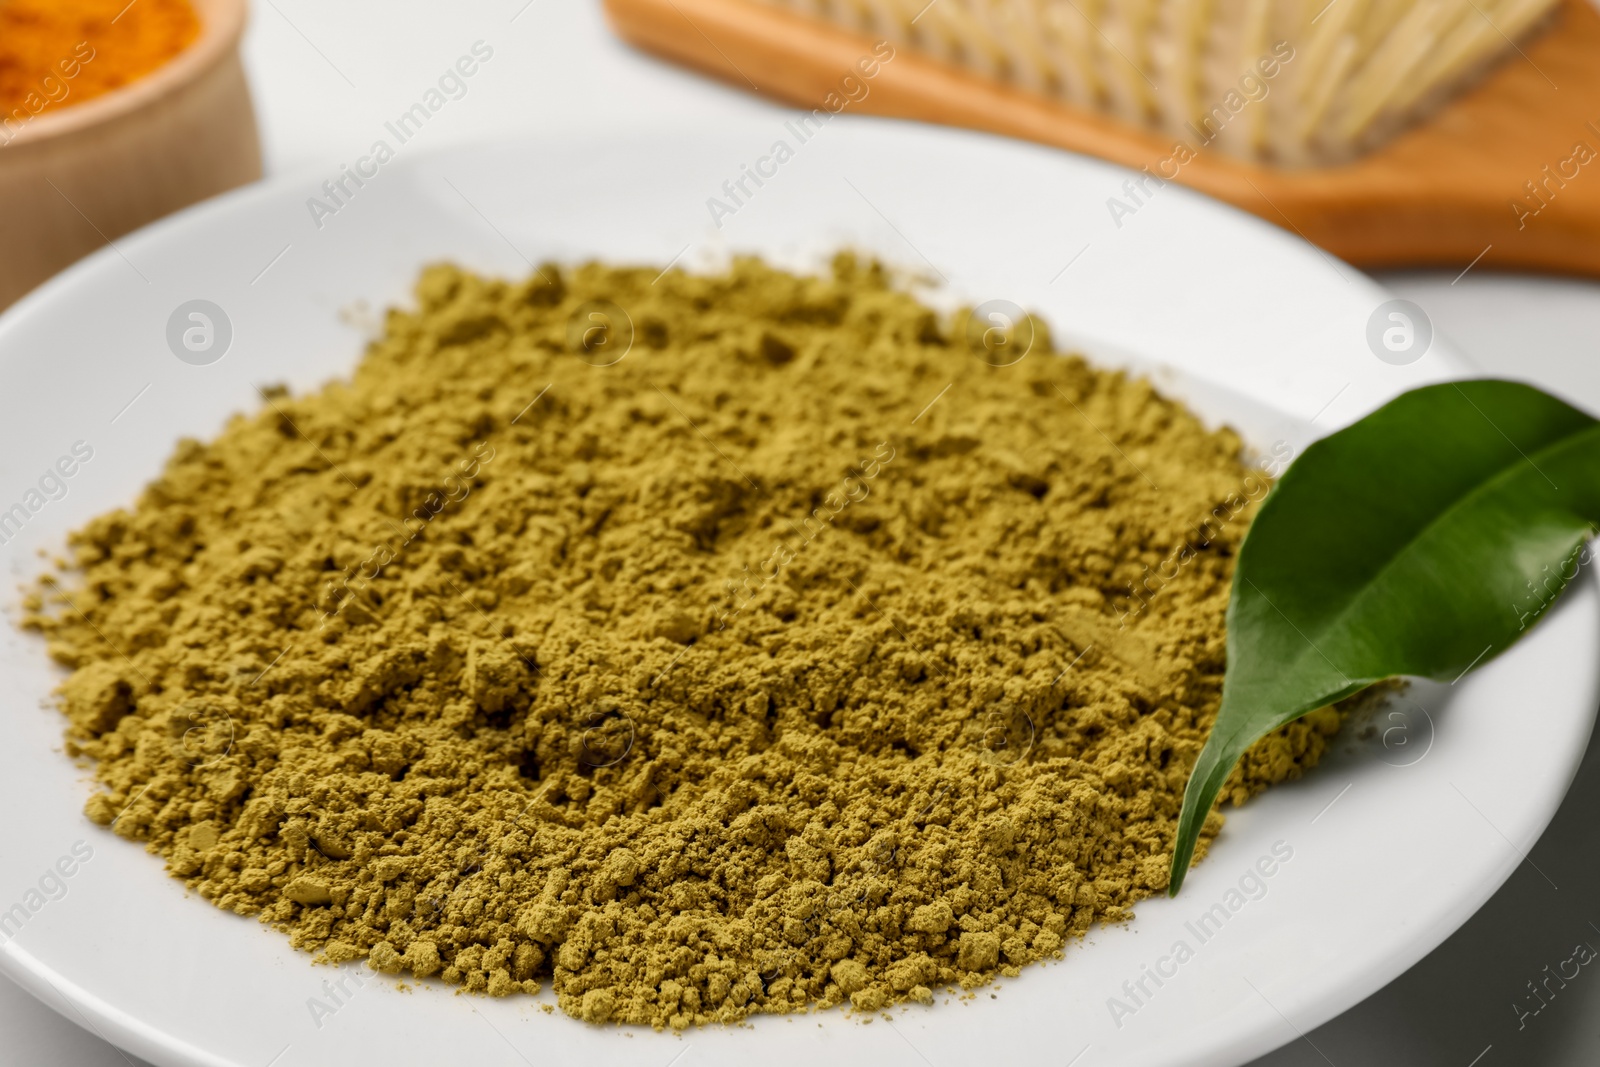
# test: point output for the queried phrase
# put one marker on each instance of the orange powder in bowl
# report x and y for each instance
(55, 53)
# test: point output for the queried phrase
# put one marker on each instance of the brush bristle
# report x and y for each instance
(1286, 81)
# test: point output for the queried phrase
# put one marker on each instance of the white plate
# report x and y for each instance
(1393, 845)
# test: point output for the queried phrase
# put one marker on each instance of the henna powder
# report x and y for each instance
(700, 646)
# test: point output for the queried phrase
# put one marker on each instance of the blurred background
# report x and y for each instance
(325, 78)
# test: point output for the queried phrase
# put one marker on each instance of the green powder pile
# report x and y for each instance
(700, 646)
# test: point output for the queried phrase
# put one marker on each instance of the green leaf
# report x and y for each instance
(1422, 540)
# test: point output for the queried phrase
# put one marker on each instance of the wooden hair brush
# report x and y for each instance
(1390, 132)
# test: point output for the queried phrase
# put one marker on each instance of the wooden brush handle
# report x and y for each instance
(1439, 194)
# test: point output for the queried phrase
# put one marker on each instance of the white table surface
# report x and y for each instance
(326, 77)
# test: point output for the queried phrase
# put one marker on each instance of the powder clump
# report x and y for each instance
(780, 654)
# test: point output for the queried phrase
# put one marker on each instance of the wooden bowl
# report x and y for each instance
(75, 178)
